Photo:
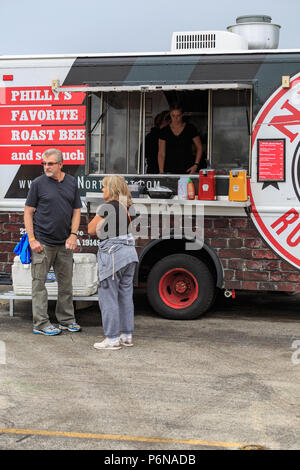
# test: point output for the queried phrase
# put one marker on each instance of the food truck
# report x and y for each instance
(242, 94)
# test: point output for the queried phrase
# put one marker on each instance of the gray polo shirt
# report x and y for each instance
(54, 202)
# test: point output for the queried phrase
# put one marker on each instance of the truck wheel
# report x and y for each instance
(180, 287)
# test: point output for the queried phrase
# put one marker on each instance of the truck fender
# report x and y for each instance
(209, 250)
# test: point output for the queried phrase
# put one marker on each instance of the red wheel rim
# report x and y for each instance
(178, 288)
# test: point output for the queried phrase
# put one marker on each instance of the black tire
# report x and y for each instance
(199, 287)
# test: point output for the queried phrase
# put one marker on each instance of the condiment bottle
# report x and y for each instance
(182, 187)
(207, 185)
(191, 189)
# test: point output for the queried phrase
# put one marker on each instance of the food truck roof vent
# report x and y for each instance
(257, 30)
(189, 42)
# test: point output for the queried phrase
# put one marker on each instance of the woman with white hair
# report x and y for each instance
(117, 260)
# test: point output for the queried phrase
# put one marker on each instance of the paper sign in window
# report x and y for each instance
(270, 160)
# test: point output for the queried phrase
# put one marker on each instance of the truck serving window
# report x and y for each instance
(120, 122)
(230, 130)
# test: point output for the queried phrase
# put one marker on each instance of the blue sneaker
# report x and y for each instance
(73, 327)
(49, 331)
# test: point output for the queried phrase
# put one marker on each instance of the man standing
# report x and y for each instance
(52, 218)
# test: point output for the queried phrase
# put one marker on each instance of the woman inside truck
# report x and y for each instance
(175, 145)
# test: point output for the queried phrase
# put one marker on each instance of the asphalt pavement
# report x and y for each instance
(228, 380)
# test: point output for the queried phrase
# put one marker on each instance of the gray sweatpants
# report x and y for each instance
(116, 302)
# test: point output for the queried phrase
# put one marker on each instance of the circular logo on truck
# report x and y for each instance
(296, 170)
(275, 180)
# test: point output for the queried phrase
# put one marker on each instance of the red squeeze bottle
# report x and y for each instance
(191, 189)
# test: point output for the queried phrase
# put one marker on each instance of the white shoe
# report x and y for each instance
(126, 340)
(106, 344)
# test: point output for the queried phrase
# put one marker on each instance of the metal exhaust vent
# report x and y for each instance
(258, 31)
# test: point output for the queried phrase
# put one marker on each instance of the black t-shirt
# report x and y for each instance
(179, 155)
(117, 219)
(151, 150)
(54, 202)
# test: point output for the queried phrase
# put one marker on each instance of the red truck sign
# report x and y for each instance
(33, 119)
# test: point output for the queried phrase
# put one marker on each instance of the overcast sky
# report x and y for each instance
(91, 26)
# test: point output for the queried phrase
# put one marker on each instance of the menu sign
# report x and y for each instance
(38, 96)
(270, 160)
(43, 115)
(32, 155)
(33, 119)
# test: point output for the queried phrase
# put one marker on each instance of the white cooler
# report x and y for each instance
(85, 278)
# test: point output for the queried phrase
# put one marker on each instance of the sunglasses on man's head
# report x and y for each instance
(49, 163)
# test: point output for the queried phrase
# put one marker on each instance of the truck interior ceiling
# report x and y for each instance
(119, 121)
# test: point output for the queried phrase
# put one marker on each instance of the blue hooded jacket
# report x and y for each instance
(114, 254)
(23, 250)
